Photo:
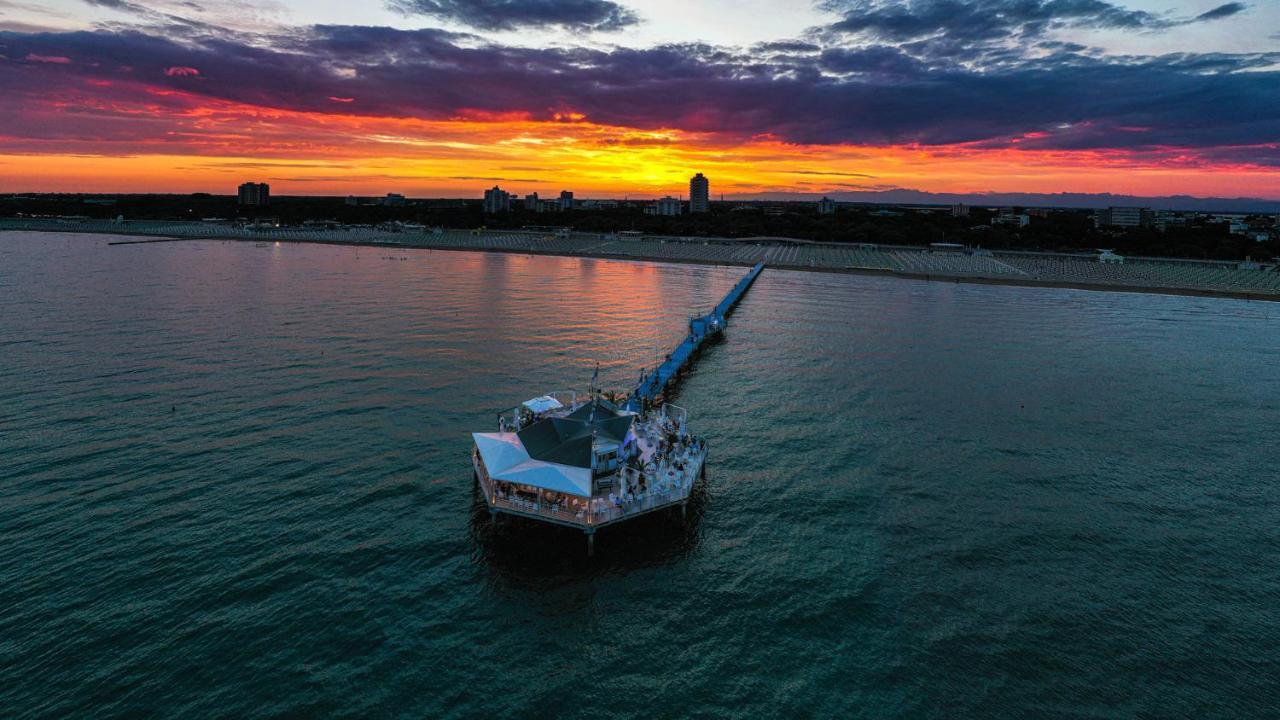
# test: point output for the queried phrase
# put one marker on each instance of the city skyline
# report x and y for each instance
(614, 99)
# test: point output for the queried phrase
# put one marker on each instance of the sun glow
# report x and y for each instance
(194, 144)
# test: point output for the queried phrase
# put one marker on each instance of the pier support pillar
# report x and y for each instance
(493, 513)
(684, 511)
(591, 544)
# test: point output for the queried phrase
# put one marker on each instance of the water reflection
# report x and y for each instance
(928, 500)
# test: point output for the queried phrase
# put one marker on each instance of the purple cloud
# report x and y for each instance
(967, 22)
(873, 94)
(600, 15)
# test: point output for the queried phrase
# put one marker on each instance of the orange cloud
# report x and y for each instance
(148, 139)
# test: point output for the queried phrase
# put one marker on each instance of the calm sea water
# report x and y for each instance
(235, 483)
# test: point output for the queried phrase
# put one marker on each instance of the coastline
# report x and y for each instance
(423, 243)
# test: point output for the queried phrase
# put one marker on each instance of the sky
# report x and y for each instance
(614, 98)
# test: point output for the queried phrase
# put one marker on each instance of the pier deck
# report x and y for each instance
(700, 330)
(590, 515)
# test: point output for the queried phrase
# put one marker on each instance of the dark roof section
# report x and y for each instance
(567, 440)
(603, 410)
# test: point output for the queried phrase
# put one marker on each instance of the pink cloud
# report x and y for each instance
(180, 71)
(341, 99)
(56, 59)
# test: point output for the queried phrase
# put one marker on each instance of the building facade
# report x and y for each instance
(1125, 217)
(667, 206)
(1009, 218)
(257, 194)
(699, 194)
(497, 200)
(1166, 219)
(826, 206)
(566, 200)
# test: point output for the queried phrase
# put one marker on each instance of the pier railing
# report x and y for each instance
(700, 328)
(598, 510)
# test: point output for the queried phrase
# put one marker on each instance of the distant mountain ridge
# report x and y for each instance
(904, 196)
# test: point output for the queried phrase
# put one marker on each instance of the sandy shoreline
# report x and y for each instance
(971, 279)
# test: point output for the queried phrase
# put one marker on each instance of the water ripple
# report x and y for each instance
(236, 484)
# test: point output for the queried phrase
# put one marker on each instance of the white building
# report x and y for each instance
(497, 200)
(699, 194)
(960, 210)
(826, 206)
(667, 206)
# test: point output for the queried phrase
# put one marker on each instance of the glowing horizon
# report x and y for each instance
(170, 105)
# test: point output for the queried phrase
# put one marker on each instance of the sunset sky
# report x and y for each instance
(447, 97)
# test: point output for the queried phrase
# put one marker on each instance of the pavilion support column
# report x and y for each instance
(684, 511)
(591, 543)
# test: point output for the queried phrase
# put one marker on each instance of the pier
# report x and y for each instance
(589, 464)
(701, 329)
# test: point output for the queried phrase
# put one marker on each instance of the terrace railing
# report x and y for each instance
(599, 510)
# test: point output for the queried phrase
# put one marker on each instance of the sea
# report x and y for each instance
(235, 483)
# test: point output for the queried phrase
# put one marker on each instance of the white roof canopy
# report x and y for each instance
(542, 404)
(506, 459)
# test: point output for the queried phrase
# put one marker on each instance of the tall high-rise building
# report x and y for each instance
(497, 200)
(255, 194)
(531, 202)
(826, 206)
(566, 200)
(699, 194)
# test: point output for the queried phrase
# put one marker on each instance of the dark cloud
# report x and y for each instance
(875, 60)
(338, 178)
(1222, 11)
(497, 179)
(825, 173)
(245, 165)
(967, 22)
(602, 15)
(788, 46)
(1058, 98)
